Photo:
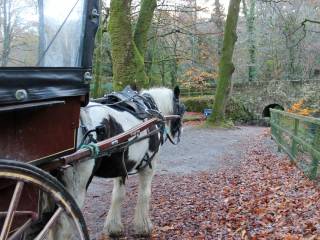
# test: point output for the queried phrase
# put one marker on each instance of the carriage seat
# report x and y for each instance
(130, 101)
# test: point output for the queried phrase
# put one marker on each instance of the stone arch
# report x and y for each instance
(266, 110)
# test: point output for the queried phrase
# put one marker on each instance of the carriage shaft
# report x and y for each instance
(105, 145)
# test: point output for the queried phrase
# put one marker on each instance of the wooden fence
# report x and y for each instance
(299, 137)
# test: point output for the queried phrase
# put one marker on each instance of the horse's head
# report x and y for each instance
(178, 109)
(168, 103)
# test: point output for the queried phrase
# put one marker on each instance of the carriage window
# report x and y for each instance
(44, 33)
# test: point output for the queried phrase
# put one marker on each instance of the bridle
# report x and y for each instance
(153, 111)
(178, 109)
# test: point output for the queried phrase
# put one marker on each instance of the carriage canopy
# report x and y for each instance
(46, 48)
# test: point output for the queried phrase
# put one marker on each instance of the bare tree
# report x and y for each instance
(250, 22)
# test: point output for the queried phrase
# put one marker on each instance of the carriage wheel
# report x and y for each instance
(21, 175)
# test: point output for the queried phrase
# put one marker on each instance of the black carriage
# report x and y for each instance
(46, 50)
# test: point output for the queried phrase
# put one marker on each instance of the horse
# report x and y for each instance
(139, 158)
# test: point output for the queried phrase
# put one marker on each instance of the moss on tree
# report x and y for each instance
(226, 67)
(121, 43)
(97, 65)
(128, 48)
(143, 24)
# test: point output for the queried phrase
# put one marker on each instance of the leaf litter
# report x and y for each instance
(266, 197)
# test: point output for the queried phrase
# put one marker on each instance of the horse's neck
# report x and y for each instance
(163, 99)
(90, 118)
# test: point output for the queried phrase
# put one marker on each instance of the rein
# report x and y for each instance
(152, 110)
(171, 140)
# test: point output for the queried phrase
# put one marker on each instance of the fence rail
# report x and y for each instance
(299, 137)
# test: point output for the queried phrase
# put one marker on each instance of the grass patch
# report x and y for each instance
(228, 124)
(189, 118)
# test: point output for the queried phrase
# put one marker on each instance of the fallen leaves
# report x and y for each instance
(264, 198)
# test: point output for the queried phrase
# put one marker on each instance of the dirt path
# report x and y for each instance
(206, 149)
(199, 150)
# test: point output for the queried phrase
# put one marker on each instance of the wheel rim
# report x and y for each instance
(23, 175)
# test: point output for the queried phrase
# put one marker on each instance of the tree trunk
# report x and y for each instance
(250, 19)
(218, 20)
(7, 32)
(122, 49)
(128, 49)
(97, 70)
(226, 67)
(143, 24)
(291, 65)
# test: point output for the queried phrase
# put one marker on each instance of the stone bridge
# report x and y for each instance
(259, 97)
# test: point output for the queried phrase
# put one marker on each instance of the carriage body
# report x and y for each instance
(41, 130)
(45, 81)
(45, 73)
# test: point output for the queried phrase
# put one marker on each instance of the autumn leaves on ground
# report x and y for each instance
(263, 197)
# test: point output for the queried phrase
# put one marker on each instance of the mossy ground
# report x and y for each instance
(227, 124)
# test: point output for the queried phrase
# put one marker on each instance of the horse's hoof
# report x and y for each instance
(114, 229)
(143, 230)
(103, 237)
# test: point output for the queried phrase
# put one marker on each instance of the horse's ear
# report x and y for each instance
(176, 92)
(134, 87)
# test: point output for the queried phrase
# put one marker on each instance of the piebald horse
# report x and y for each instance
(118, 164)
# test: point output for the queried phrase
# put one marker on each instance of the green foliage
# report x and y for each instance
(197, 104)
(237, 112)
(235, 109)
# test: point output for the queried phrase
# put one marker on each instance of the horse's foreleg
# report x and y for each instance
(75, 180)
(113, 225)
(142, 222)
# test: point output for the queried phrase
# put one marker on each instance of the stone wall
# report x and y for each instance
(259, 95)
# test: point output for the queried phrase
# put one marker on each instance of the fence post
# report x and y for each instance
(315, 160)
(279, 135)
(272, 114)
(294, 142)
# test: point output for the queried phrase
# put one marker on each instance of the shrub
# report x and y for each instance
(235, 110)
(301, 108)
(197, 104)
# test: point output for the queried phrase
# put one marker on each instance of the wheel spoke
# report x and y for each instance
(18, 233)
(12, 208)
(33, 215)
(49, 224)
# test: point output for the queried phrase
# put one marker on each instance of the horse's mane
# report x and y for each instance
(163, 97)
